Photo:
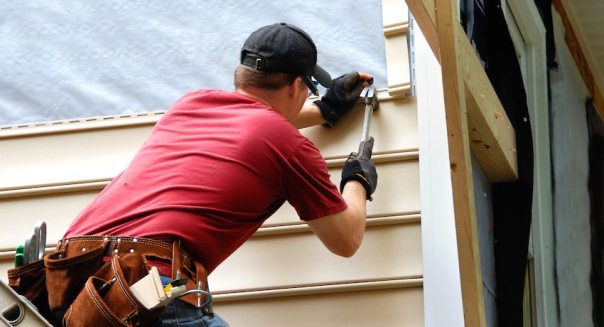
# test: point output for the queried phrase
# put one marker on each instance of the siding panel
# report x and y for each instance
(383, 308)
(68, 157)
(394, 127)
(58, 210)
(300, 259)
(398, 192)
(74, 156)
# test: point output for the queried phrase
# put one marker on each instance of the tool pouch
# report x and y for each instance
(66, 274)
(30, 281)
(106, 299)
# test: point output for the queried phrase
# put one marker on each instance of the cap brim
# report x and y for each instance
(322, 76)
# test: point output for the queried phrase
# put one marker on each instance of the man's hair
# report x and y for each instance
(249, 77)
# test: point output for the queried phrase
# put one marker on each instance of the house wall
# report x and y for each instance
(570, 178)
(283, 275)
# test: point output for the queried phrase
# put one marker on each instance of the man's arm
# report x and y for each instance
(310, 115)
(337, 102)
(342, 233)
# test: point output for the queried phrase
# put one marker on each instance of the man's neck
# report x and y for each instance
(254, 96)
(282, 101)
(269, 100)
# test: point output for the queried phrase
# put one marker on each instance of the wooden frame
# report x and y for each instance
(476, 121)
(464, 207)
(493, 140)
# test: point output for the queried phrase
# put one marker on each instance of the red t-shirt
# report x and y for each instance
(214, 168)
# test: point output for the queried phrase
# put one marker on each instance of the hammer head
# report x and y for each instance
(370, 97)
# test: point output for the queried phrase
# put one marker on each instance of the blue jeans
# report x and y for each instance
(181, 314)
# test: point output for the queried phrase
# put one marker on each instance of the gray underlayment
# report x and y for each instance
(74, 59)
(571, 194)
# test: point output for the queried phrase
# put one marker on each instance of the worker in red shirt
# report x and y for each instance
(219, 163)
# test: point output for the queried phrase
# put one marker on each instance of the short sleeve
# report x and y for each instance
(307, 185)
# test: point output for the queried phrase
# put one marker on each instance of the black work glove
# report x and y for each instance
(361, 169)
(341, 97)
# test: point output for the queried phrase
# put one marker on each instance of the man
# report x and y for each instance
(218, 164)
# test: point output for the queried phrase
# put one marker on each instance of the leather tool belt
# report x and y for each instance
(87, 280)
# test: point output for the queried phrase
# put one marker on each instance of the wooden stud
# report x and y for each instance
(492, 136)
(460, 159)
(476, 119)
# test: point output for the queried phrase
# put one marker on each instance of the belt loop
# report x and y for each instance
(110, 246)
(176, 264)
(202, 282)
(62, 245)
(118, 241)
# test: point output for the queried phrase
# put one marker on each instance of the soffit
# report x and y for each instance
(586, 19)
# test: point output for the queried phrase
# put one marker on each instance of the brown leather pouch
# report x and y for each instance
(89, 307)
(106, 299)
(66, 275)
(29, 281)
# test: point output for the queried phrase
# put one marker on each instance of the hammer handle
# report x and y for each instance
(368, 94)
(366, 122)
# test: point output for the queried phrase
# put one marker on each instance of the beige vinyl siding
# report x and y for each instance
(283, 264)
(397, 307)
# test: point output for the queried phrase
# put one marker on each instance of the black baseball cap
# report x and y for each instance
(284, 48)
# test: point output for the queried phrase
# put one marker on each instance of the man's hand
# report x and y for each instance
(342, 95)
(360, 168)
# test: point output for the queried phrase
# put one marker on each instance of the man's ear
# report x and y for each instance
(295, 87)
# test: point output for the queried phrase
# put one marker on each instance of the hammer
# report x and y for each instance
(371, 104)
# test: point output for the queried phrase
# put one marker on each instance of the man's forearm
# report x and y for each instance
(355, 196)
(342, 233)
(310, 115)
